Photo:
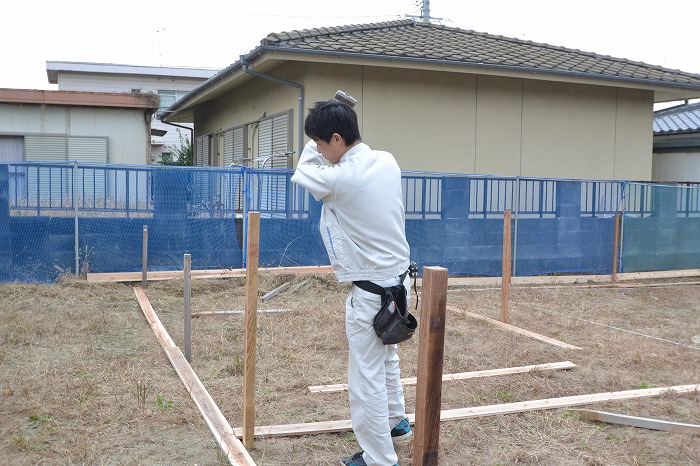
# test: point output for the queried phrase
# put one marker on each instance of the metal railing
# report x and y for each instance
(60, 189)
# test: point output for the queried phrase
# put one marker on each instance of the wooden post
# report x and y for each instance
(506, 267)
(431, 340)
(616, 246)
(188, 307)
(144, 258)
(250, 317)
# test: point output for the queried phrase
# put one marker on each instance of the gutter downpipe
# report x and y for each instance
(244, 67)
(191, 130)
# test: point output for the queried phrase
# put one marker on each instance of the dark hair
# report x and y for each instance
(332, 116)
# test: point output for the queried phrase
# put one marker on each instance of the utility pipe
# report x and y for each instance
(191, 130)
(299, 87)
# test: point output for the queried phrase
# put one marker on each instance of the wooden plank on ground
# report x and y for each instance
(643, 422)
(462, 375)
(214, 418)
(517, 330)
(219, 273)
(658, 274)
(237, 311)
(478, 411)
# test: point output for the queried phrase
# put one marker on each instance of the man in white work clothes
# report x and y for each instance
(363, 228)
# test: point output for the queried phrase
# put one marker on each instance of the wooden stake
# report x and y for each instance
(214, 418)
(144, 258)
(616, 246)
(430, 357)
(250, 317)
(506, 267)
(188, 307)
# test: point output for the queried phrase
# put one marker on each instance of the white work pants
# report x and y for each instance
(374, 386)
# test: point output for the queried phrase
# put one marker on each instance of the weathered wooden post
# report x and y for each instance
(431, 348)
(616, 246)
(144, 258)
(251, 312)
(188, 306)
(506, 266)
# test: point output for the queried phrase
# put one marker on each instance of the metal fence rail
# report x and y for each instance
(50, 188)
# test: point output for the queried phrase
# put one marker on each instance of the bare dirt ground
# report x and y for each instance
(83, 379)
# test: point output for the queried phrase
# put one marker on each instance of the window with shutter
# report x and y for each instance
(91, 183)
(234, 143)
(45, 183)
(274, 141)
(202, 151)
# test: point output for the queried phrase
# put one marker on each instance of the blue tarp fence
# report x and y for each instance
(71, 217)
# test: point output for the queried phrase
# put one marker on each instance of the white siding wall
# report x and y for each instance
(100, 82)
(677, 166)
(125, 129)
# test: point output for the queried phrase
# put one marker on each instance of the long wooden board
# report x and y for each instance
(478, 411)
(452, 281)
(214, 418)
(634, 421)
(221, 273)
(517, 330)
(237, 312)
(461, 375)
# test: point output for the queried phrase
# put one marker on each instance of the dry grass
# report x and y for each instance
(74, 356)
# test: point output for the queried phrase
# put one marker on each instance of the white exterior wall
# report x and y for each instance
(126, 129)
(103, 82)
(677, 166)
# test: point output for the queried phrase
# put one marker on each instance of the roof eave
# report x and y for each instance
(499, 69)
(663, 90)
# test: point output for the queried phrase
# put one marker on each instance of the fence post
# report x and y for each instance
(251, 311)
(5, 236)
(188, 307)
(505, 268)
(75, 219)
(616, 246)
(431, 341)
(144, 258)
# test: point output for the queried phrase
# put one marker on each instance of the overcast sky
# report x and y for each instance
(213, 34)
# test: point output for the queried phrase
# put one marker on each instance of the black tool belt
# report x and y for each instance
(393, 323)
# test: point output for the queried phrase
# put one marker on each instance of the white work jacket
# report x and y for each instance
(363, 217)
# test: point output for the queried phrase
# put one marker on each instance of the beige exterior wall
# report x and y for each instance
(455, 122)
(248, 103)
(634, 135)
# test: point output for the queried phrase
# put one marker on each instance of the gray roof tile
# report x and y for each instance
(425, 41)
(680, 119)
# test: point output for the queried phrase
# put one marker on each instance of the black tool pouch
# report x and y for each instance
(393, 323)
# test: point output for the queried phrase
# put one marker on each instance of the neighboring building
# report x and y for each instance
(169, 83)
(38, 125)
(440, 99)
(677, 143)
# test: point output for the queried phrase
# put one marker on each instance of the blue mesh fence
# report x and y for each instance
(661, 227)
(76, 217)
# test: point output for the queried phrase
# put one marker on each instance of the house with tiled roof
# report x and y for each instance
(440, 99)
(677, 143)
